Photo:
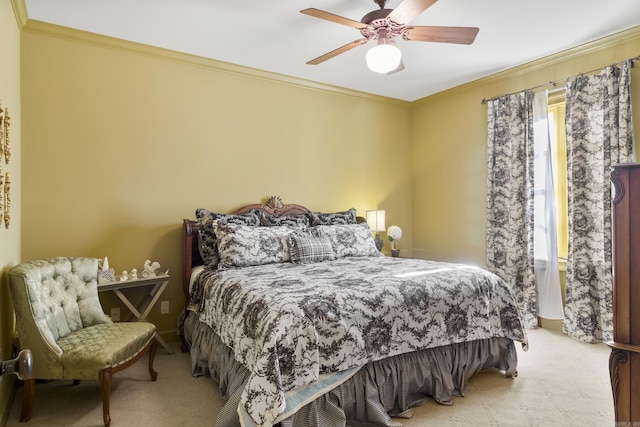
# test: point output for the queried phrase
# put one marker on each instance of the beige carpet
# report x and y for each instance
(561, 382)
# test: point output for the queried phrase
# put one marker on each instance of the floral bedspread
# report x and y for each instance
(289, 323)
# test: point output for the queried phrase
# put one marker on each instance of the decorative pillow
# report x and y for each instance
(206, 236)
(243, 246)
(307, 248)
(349, 239)
(345, 217)
(288, 220)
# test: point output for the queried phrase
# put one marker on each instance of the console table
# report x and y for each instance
(156, 286)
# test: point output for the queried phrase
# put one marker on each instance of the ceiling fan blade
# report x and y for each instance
(409, 9)
(317, 13)
(337, 51)
(459, 35)
(398, 69)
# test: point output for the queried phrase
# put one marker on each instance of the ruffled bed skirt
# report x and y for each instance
(372, 396)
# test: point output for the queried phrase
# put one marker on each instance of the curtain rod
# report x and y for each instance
(555, 82)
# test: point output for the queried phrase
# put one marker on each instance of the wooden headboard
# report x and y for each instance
(190, 251)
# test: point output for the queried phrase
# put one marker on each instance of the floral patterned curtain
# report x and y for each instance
(599, 134)
(510, 225)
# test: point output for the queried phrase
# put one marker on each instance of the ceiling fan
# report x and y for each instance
(384, 25)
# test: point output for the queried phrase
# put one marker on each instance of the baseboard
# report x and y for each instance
(551, 324)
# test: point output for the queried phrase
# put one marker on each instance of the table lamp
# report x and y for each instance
(376, 221)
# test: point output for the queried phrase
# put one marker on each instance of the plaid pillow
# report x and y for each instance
(307, 249)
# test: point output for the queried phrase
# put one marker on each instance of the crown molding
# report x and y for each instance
(80, 36)
(43, 28)
(20, 12)
(627, 36)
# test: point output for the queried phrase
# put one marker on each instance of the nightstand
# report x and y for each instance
(156, 286)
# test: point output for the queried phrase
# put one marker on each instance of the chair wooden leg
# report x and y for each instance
(152, 355)
(105, 377)
(27, 399)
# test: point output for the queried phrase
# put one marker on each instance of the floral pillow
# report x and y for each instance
(243, 246)
(207, 242)
(288, 220)
(349, 239)
(345, 217)
(306, 248)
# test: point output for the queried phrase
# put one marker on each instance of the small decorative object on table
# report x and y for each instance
(106, 274)
(394, 233)
(150, 268)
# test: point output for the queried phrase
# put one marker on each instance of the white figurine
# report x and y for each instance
(150, 268)
(134, 274)
(124, 276)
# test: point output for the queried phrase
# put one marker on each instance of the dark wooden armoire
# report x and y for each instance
(624, 362)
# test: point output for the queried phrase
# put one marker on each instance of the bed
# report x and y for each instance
(302, 322)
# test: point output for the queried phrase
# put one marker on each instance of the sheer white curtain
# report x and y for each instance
(545, 236)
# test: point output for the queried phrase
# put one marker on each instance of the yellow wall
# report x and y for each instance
(121, 142)
(9, 238)
(449, 139)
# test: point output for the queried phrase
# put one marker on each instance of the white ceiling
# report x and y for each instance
(273, 36)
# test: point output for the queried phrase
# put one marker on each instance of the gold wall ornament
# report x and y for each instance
(7, 151)
(1, 195)
(1, 132)
(7, 200)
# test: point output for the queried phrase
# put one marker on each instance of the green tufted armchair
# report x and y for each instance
(60, 319)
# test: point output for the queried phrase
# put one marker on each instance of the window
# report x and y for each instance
(559, 161)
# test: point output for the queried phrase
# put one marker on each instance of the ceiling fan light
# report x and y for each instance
(383, 58)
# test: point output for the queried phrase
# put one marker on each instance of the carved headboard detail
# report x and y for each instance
(274, 206)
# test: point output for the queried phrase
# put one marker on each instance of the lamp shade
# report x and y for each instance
(383, 58)
(376, 220)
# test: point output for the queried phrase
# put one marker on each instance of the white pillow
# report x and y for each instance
(243, 246)
(349, 239)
